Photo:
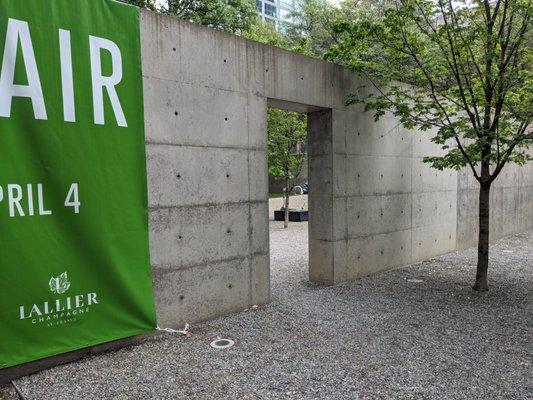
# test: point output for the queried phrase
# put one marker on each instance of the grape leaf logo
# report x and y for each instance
(60, 284)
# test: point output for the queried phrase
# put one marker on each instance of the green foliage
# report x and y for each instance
(275, 195)
(286, 129)
(461, 70)
(229, 15)
(149, 4)
(265, 33)
(311, 31)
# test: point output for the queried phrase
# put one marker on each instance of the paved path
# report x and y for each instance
(413, 333)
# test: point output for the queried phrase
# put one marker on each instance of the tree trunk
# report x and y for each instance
(483, 240)
(287, 197)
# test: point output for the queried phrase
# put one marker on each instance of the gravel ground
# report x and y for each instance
(413, 333)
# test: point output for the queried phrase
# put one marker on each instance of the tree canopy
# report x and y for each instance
(468, 70)
(312, 22)
(286, 130)
(232, 16)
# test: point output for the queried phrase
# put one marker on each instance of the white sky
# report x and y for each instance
(335, 2)
(162, 2)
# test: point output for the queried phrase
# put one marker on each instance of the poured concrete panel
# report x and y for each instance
(201, 292)
(179, 235)
(184, 175)
(511, 204)
(185, 114)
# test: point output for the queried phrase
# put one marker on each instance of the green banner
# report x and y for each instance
(74, 250)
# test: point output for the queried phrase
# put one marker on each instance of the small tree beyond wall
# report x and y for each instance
(287, 130)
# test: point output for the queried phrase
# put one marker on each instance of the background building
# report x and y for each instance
(276, 12)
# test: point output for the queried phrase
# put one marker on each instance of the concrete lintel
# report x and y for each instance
(292, 106)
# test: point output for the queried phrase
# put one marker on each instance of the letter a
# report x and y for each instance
(19, 29)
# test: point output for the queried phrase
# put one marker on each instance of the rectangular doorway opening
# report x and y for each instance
(296, 135)
(288, 204)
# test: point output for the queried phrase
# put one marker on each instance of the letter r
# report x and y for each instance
(109, 82)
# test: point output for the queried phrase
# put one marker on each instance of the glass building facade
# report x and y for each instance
(276, 12)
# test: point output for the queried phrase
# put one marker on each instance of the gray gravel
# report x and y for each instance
(413, 333)
(8, 393)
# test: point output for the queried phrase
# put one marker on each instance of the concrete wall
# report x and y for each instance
(511, 204)
(373, 203)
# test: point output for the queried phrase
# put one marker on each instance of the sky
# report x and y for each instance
(335, 2)
(162, 2)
